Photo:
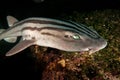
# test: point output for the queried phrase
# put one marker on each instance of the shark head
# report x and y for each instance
(71, 41)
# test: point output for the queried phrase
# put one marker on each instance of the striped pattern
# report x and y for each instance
(60, 24)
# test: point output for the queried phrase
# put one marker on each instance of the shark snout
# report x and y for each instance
(102, 44)
(98, 47)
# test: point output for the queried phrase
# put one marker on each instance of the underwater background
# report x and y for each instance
(50, 64)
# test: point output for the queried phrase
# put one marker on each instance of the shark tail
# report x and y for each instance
(11, 21)
(9, 39)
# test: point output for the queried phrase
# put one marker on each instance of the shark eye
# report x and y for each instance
(76, 37)
(72, 36)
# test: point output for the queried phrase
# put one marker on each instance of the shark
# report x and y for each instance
(63, 35)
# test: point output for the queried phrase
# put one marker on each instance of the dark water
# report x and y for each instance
(50, 8)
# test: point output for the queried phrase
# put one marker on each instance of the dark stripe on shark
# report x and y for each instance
(77, 28)
(39, 29)
(53, 28)
(47, 33)
(85, 28)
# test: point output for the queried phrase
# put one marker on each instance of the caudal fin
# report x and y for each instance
(9, 39)
(11, 21)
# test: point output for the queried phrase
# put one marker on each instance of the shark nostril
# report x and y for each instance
(93, 50)
(90, 49)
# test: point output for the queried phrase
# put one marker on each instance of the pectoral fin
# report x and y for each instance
(20, 46)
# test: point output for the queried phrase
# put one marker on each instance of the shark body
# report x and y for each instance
(59, 34)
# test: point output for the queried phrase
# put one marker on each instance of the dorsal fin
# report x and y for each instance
(11, 20)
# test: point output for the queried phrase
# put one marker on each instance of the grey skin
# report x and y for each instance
(66, 41)
(61, 38)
